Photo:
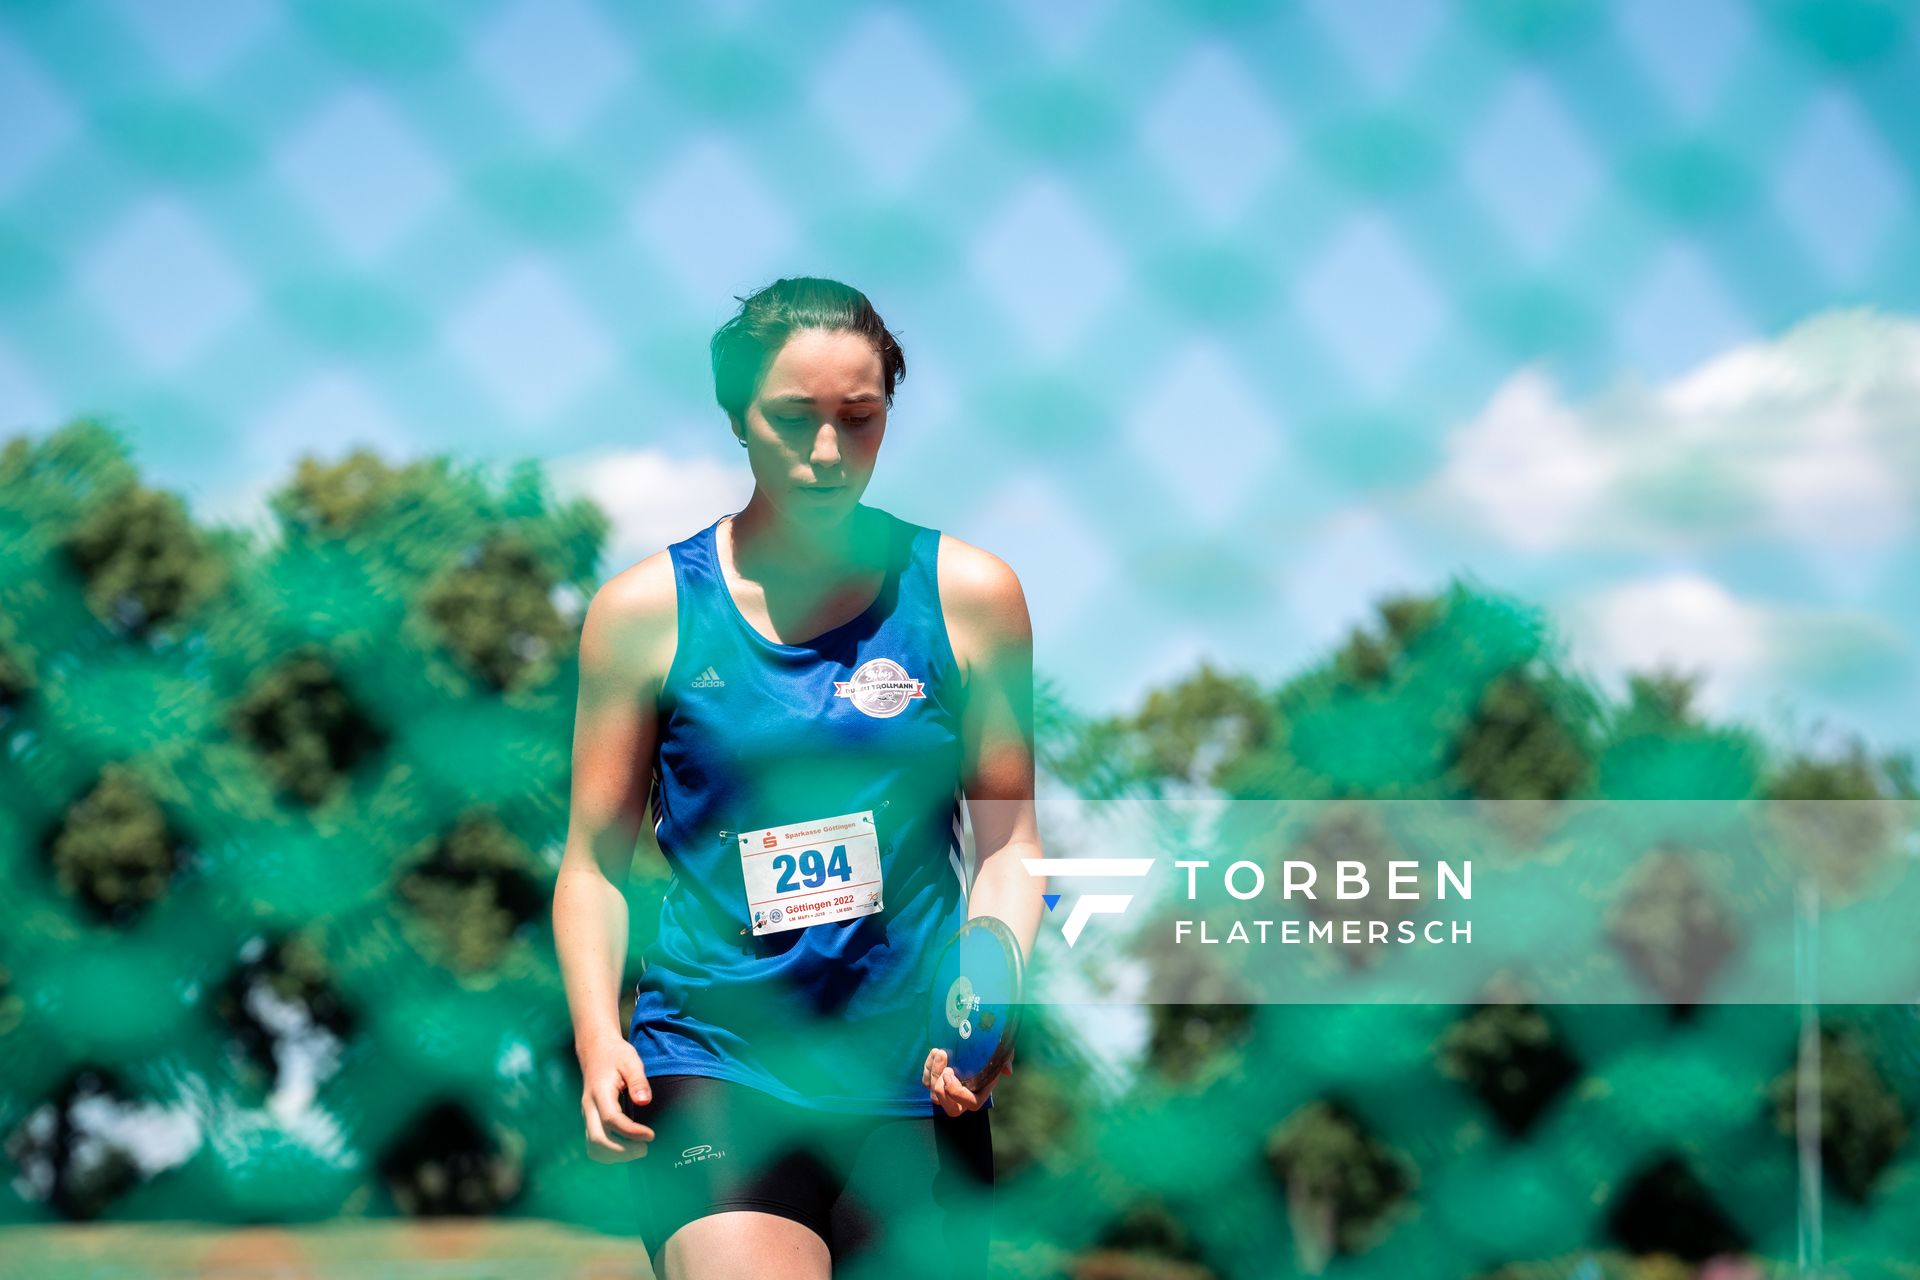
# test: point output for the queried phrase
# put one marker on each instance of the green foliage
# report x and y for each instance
(1660, 702)
(234, 668)
(291, 972)
(12, 1007)
(335, 499)
(1672, 926)
(1509, 1056)
(48, 484)
(1863, 1122)
(1145, 1241)
(83, 545)
(1527, 739)
(1039, 1109)
(307, 729)
(1369, 656)
(1665, 1208)
(1185, 1040)
(472, 887)
(447, 1163)
(16, 671)
(1852, 777)
(1350, 833)
(1834, 816)
(495, 609)
(73, 504)
(1201, 725)
(71, 1147)
(144, 563)
(1341, 1183)
(394, 661)
(1642, 1128)
(114, 850)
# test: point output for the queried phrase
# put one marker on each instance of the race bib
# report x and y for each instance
(811, 872)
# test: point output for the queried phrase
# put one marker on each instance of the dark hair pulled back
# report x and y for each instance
(745, 345)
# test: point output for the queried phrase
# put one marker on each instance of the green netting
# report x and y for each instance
(1357, 222)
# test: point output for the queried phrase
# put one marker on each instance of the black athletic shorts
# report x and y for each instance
(895, 1196)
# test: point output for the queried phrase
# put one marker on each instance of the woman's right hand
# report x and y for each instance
(611, 1075)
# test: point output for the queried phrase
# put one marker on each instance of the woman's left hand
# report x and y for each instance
(946, 1090)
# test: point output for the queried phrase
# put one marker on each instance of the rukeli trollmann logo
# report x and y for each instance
(1093, 904)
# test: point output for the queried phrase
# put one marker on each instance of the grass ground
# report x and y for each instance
(452, 1249)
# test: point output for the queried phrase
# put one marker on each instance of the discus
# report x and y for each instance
(976, 1000)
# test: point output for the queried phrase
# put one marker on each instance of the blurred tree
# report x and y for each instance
(1660, 701)
(1509, 1056)
(1527, 739)
(1672, 927)
(1145, 1241)
(12, 1007)
(1054, 1086)
(73, 503)
(1368, 656)
(232, 665)
(72, 1148)
(1835, 816)
(1201, 725)
(1664, 1208)
(144, 563)
(1188, 1043)
(472, 888)
(448, 1164)
(1863, 1122)
(1656, 747)
(334, 499)
(495, 608)
(1341, 1183)
(308, 730)
(280, 992)
(1349, 832)
(114, 851)
(16, 674)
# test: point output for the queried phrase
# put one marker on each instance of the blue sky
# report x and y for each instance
(1221, 320)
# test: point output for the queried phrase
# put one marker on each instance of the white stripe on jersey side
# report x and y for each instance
(954, 849)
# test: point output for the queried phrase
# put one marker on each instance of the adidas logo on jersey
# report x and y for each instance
(708, 679)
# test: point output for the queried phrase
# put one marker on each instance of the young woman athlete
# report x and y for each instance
(801, 694)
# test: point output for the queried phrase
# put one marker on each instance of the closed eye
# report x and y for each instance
(797, 423)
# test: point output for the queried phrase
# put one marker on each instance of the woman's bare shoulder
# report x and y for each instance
(981, 596)
(631, 621)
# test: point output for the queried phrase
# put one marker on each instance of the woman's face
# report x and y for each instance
(814, 428)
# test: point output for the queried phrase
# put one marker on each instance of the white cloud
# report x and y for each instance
(1812, 440)
(1682, 620)
(1529, 468)
(651, 497)
(1746, 652)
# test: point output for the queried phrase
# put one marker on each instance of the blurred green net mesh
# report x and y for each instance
(281, 824)
(280, 809)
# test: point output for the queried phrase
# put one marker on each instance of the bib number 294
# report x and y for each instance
(810, 870)
(808, 873)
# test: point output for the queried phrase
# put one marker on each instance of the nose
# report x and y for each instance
(826, 447)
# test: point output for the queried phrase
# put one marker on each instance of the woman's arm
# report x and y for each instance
(994, 645)
(992, 639)
(615, 734)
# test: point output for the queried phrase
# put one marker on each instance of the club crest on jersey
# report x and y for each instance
(880, 688)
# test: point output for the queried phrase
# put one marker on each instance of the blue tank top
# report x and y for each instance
(755, 734)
